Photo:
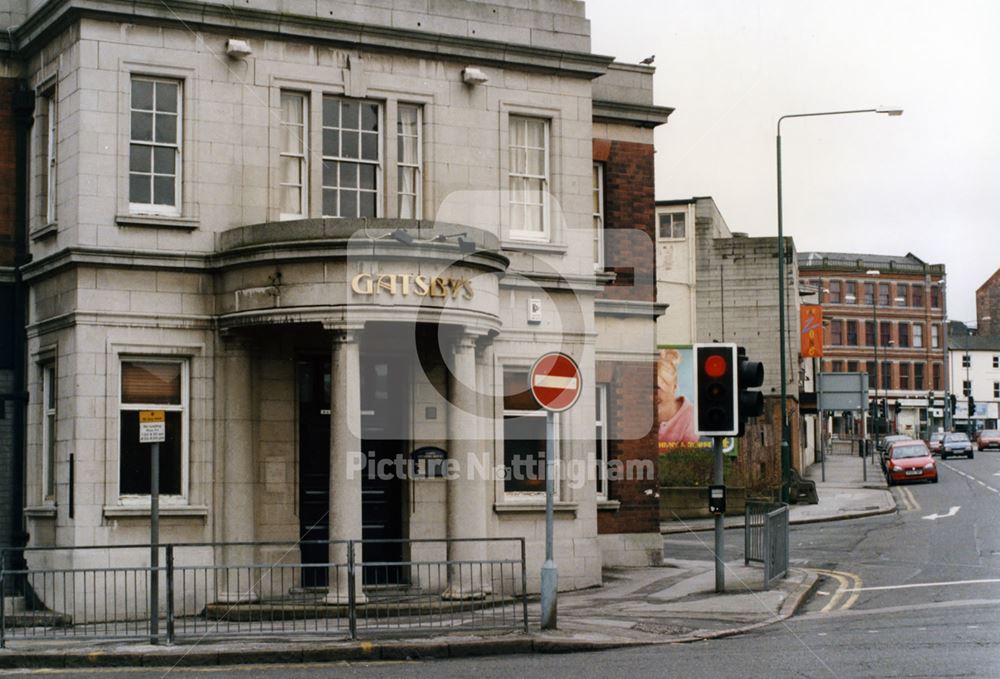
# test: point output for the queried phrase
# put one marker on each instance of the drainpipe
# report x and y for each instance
(24, 106)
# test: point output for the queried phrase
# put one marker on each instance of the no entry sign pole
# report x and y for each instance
(152, 430)
(555, 384)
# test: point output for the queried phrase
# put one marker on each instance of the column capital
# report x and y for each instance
(344, 333)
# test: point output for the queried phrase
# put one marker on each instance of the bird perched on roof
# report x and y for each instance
(648, 60)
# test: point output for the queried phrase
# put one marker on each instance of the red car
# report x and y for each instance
(935, 441)
(988, 438)
(910, 461)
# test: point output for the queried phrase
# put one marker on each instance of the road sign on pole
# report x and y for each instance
(555, 383)
(153, 429)
(152, 426)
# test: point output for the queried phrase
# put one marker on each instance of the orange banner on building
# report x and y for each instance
(811, 328)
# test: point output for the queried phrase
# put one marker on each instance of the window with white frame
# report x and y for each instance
(153, 384)
(918, 335)
(935, 336)
(525, 445)
(294, 170)
(671, 226)
(49, 432)
(529, 177)
(601, 440)
(598, 196)
(155, 145)
(352, 157)
(408, 161)
(50, 141)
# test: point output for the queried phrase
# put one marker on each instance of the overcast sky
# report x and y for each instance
(927, 182)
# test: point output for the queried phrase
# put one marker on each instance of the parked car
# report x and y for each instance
(988, 438)
(883, 445)
(909, 461)
(935, 441)
(956, 443)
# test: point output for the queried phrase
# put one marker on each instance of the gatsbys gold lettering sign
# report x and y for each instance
(417, 284)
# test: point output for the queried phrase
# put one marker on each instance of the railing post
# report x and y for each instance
(767, 552)
(746, 534)
(524, 586)
(170, 594)
(352, 615)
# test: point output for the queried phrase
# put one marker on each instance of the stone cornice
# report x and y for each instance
(637, 115)
(624, 307)
(56, 14)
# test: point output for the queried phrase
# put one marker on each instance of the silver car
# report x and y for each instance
(956, 443)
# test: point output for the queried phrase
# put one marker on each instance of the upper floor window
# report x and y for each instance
(851, 294)
(917, 296)
(834, 289)
(901, 294)
(904, 375)
(918, 376)
(869, 293)
(885, 333)
(294, 159)
(598, 207)
(836, 330)
(869, 333)
(936, 375)
(935, 336)
(352, 157)
(409, 161)
(49, 432)
(155, 146)
(903, 332)
(671, 225)
(918, 335)
(883, 294)
(529, 178)
(935, 297)
(852, 333)
(151, 384)
(601, 440)
(49, 142)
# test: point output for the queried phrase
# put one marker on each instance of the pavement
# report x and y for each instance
(674, 602)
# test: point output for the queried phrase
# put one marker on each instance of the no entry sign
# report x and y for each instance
(555, 381)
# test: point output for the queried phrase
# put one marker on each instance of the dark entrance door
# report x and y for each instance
(385, 395)
(313, 380)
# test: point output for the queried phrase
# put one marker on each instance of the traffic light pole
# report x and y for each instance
(720, 535)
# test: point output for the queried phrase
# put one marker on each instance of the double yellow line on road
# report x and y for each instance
(848, 590)
(906, 498)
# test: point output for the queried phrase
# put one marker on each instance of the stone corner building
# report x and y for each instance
(344, 244)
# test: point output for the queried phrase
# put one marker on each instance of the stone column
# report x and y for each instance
(345, 462)
(238, 584)
(466, 491)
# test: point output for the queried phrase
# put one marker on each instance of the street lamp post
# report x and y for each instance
(786, 450)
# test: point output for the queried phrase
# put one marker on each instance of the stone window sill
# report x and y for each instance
(534, 507)
(608, 505)
(158, 222)
(41, 512)
(42, 232)
(533, 246)
(141, 511)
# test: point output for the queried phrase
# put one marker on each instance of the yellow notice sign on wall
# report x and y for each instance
(152, 426)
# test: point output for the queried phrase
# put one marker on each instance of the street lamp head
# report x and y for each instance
(889, 110)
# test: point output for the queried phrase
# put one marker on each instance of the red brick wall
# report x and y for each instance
(7, 87)
(629, 216)
(629, 386)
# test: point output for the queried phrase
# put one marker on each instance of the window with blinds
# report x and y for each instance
(152, 385)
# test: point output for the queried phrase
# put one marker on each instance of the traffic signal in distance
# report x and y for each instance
(972, 406)
(715, 389)
(897, 408)
(954, 403)
(884, 409)
(749, 376)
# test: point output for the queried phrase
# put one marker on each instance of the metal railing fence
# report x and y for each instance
(765, 538)
(243, 589)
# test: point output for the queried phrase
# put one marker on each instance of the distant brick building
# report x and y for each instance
(906, 297)
(988, 306)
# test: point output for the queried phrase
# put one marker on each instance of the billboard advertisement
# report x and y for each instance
(811, 328)
(675, 405)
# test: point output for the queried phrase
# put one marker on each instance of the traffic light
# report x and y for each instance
(884, 409)
(897, 408)
(716, 389)
(954, 403)
(749, 375)
(972, 406)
